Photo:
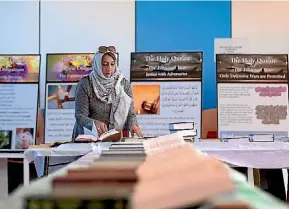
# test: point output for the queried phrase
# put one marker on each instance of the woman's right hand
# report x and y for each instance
(101, 127)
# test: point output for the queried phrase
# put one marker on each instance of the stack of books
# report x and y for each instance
(236, 139)
(186, 129)
(106, 183)
(179, 177)
(149, 175)
(250, 138)
(261, 137)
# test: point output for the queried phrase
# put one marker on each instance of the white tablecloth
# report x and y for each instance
(246, 154)
(69, 151)
(249, 154)
(43, 186)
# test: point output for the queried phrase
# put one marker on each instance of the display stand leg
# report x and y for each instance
(3, 178)
(26, 172)
(256, 173)
(251, 176)
(285, 177)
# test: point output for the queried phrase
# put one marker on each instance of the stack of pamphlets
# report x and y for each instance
(186, 129)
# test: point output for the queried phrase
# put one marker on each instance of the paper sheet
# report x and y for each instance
(93, 132)
(230, 46)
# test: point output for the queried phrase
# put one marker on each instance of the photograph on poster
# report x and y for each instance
(60, 110)
(253, 108)
(166, 66)
(61, 96)
(178, 102)
(5, 139)
(252, 68)
(146, 99)
(68, 67)
(24, 138)
(19, 68)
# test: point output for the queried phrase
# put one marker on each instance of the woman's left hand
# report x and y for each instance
(136, 129)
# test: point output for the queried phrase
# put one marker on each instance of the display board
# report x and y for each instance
(63, 71)
(167, 88)
(252, 94)
(19, 90)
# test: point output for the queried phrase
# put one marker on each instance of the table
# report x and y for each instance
(4, 172)
(245, 192)
(260, 155)
(64, 150)
(43, 185)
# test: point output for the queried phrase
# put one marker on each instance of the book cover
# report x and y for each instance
(49, 202)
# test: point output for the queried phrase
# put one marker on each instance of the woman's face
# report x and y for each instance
(108, 66)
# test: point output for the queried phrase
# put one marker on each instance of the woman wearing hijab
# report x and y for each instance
(103, 99)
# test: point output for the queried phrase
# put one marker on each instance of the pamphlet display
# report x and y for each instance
(63, 73)
(252, 95)
(167, 88)
(19, 87)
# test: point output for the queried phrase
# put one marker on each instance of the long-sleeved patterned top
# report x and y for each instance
(89, 108)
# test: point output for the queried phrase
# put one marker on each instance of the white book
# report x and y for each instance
(111, 135)
(262, 137)
(236, 139)
(189, 132)
(181, 125)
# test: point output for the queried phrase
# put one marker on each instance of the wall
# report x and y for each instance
(81, 26)
(185, 26)
(67, 26)
(19, 23)
(265, 25)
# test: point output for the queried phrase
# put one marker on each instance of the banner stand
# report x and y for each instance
(19, 101)
(63, 71)
(167, 88)
(252, 96)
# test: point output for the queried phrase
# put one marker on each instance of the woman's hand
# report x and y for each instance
(136, 129)
(101, 127)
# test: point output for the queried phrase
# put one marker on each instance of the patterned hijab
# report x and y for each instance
(103, 86)
(110, 91)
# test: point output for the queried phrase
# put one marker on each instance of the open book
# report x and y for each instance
(109, 136)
